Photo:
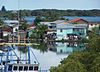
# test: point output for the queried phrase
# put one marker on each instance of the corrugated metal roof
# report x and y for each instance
(11, 21)
(65, 26)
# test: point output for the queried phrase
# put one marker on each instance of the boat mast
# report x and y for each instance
(28, 50)
(7, 59)
(29, 55)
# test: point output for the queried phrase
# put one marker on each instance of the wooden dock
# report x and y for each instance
(19, 44)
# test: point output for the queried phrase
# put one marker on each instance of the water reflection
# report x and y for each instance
(23, 49)
(59, 47)
(42, 46)
(67, 48)
(48, 54)
(51, 53)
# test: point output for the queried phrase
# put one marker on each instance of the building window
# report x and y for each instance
(15, 68)
(80, 33)
(61, 30)
(10, 68)
(20, 68)
(25, 68)
(31, 68)
(73, 29)
(61, 51)
(36, 68)
(91, 24)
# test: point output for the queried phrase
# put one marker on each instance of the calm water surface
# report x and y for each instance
(48, 54)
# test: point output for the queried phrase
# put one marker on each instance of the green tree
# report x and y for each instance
(37, 20)
(85, 61)
(69, 66)
(23, 26)
(96, 64)
(39, 32)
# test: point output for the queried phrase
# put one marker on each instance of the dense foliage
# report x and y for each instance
(85, 61)
(55, 12)
(49, 14)
(23, 26)
(39, 32)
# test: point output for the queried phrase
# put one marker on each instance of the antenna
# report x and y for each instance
(18, 22)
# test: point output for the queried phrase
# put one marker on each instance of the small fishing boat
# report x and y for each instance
(17, 64)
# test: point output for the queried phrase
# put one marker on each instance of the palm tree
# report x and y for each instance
(41, 29)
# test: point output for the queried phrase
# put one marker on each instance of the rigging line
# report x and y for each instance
(35, 56)
(15, 53)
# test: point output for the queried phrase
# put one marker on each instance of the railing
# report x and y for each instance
(19, 44)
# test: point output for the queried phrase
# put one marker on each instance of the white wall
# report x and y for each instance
(14, 29)
(92, 26)
(5, 33)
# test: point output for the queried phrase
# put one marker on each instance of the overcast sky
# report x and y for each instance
(51, 4)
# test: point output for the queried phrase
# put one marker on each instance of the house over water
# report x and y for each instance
(71, 31)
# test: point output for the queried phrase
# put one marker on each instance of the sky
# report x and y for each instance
(50, 4)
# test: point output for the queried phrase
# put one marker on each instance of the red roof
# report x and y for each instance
(77, 19)
(32, 25)
(7, 29)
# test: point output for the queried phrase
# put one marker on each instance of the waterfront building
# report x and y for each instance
(92, 25)
(22, 36)
(7, 31)
(51, 31)
(78, 21)
(92, 21)
(11, 22)
(71, 31)
(15, 28)
(51, 25)
(59, 21)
